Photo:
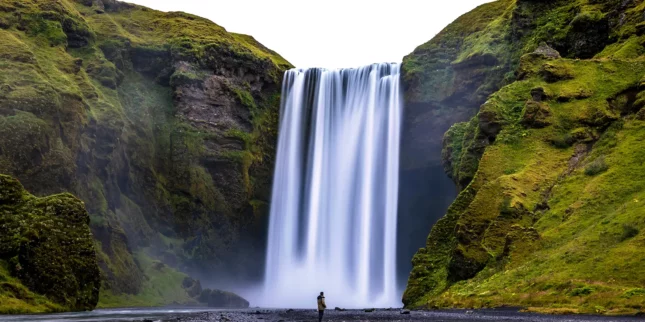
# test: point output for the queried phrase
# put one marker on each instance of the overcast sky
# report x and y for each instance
(329, 33)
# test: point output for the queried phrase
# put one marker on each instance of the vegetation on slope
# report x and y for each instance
(548, 214)
(163, 285)
(47, 257)
(163, 123)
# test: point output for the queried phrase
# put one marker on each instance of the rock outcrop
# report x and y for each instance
(223, 299)
(47, 249)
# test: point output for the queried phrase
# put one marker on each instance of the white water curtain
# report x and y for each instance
(334, 204)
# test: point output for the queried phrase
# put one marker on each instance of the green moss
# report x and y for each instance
(179, 78)
(581, 291)
(52, 31)
(463, 146)
(634, 292)
(629, 232)
(526, 230)
(47, 248)
(173, 27)
(428, 72)
(163, 285)
(245, 97)
(596, 167)
(15, 298)
(87, 106)
(631, 48)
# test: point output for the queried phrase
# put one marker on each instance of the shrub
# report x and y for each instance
(562, 141)
(596, 167)
(629, 231)
(634, 292)
(581, 291)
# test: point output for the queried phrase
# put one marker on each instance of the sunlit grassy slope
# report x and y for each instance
(551, 209)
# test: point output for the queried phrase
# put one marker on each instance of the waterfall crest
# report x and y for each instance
(334, 204)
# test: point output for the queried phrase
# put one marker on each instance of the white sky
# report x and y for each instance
(330, 33)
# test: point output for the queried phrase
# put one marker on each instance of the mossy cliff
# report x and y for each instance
(47, 256)
(164, 124)
(550, 209)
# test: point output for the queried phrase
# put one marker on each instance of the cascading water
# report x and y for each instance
(334, 206)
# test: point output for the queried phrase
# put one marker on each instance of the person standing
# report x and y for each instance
(321, 306)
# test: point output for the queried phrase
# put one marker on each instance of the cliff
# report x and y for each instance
(164, 124)
(549, 213)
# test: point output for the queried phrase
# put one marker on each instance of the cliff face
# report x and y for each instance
(447, 79)
(548, 216)
(162, 123)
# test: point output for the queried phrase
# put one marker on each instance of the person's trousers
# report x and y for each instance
(320, 315)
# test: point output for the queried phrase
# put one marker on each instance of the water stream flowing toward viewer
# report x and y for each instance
(334, 205)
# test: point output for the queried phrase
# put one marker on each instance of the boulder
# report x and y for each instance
(552, 73)
(222, 299)
(539, 94)
(536, 115)
(547, 52)
(48, 245)
(193, 287)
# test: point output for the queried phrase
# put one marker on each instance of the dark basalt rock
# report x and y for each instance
(539, 94)
(588, 35)
(463, 267)
(222, 299)
(78, 34)
(192, 287)
(490, 123)
(641, 114)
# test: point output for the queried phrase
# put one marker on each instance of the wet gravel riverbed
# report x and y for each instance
(275, 315)
(385, 315)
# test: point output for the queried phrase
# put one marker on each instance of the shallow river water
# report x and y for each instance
(135, 314)
(277, 315)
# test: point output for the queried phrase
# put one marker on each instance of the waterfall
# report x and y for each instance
(334, 204)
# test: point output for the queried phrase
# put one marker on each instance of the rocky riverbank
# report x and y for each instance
(385, 315)
(186, 314)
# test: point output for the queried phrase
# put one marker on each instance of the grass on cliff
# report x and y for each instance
(429, 68)
(568, 272)
(582, 253)
(15, 298)
(162, 286)
(147, 27)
